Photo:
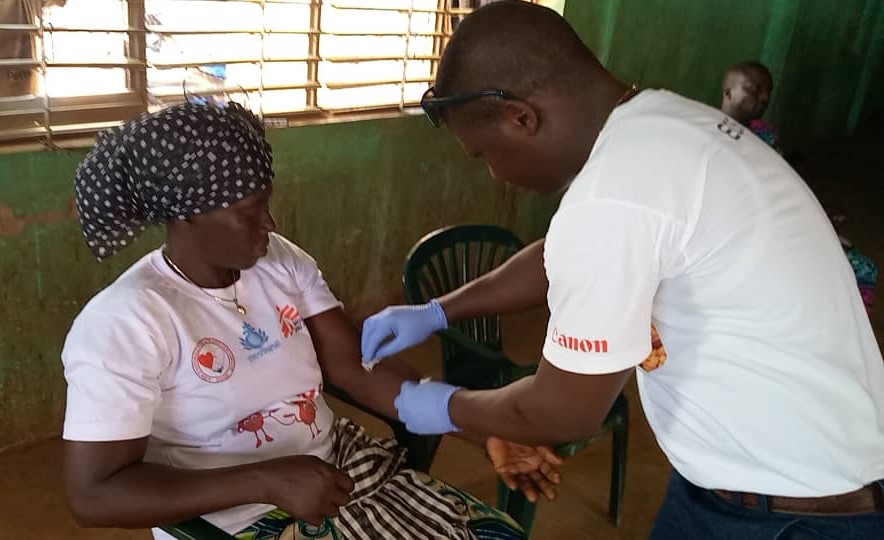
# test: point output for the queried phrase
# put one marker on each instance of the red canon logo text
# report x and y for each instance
(579, 344)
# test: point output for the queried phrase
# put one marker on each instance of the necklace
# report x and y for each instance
(235, 300)
(630, 92)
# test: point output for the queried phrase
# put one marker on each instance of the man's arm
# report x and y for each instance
(108, 485)
(516, 285)
(551, 407)
(336, 341)
(520, 283)
(604, 261)
(337, 347)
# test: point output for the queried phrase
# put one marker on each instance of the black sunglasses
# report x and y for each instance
(433, 105)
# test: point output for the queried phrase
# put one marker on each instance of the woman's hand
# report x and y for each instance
(531, 469)
(306, 487)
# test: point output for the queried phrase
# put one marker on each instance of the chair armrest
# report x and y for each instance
(196, 529)
(568, 449)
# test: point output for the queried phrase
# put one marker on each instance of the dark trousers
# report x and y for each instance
(691, 512)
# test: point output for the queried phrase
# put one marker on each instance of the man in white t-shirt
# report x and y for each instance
(770, 406)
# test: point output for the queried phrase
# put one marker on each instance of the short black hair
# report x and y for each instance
(515, 46)
(748, 69)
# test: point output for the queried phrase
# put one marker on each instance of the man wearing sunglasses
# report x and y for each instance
(770, 406)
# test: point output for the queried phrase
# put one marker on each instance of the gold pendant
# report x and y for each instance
(241, 309)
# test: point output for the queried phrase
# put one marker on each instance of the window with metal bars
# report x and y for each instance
(71, 67)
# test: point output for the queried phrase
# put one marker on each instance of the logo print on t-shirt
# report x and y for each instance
(252, 338)
(306, 404)
(257, 423)
(289, 320)
(212, 360)
(578, 344)
(255, 339)
(731, 129)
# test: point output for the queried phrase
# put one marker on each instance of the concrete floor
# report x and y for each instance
(845, 177)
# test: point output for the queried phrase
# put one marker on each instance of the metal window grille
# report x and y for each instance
(69, 68)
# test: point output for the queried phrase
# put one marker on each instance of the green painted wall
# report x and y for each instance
(358, 195)
(826, 56)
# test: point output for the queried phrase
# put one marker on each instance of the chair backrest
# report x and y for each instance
(447, 258)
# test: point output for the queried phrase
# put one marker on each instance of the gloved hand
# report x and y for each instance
(399, 327)
(423, 407)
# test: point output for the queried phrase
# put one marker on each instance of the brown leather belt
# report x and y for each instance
(865, 500)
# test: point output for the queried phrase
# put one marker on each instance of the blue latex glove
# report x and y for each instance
(423, 407)
(400, 327)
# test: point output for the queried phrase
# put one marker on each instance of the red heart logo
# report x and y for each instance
(207, 360)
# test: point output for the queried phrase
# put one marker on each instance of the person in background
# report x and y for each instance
(746, 90)
(745, 95)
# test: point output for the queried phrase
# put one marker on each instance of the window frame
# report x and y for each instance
(86, 115)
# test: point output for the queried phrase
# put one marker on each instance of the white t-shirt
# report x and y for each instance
(681, 217)
(152, 355)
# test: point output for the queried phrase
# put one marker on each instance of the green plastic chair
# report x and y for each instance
(419, 457)
(196, 529)
(472, 350)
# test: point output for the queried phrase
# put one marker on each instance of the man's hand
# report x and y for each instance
(423, 407)
(306, 487)
(399, 327)
(531, 469)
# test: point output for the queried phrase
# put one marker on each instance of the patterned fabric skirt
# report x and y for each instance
(389, 501)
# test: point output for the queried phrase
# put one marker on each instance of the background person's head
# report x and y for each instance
(746, 89)
(541, 135)
(204, 171)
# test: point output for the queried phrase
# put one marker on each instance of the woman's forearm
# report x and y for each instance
(145, 495)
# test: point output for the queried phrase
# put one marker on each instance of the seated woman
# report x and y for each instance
(195, 379)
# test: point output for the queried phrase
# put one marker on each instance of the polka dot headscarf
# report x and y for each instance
(184, 160)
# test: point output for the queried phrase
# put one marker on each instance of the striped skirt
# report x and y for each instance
(389, 501)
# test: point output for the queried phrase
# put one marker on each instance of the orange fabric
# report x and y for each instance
(658, 353)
